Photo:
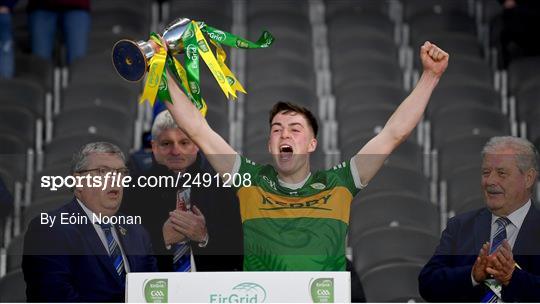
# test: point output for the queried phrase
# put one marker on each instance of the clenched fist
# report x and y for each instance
(434, 59)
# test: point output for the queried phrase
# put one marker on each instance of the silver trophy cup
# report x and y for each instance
(131, 59)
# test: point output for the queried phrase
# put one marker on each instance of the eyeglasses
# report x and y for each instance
(104, 170)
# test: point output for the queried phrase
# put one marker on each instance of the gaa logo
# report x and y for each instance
(163, 84)
(153, 77)
(242, 44)
(195, 89)
(322, 290)
(217, 35)
(192, 52)
(202, 46)
(188, 34)
(194, 65)
(155, 291)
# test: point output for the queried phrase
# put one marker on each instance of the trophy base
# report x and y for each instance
(129, 60)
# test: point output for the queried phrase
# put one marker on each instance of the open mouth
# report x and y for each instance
(285, 152)
(113, 193)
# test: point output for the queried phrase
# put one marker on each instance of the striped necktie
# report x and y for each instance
(182, 257)
(496, 242)
(114, 251)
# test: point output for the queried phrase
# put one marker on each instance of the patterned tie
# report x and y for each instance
(114, 251)
(182, 257)
(498, 238)
(500, 234)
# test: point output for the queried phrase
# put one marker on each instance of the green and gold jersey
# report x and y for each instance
(300, 229)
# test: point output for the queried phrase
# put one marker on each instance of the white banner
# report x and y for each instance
(239, 287)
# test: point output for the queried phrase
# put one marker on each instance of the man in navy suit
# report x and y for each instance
(84, 260)
(492, 254)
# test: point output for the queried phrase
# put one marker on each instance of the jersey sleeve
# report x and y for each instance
(347, 174)
(244, 168)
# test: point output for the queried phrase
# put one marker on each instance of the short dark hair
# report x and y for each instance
(287, 107)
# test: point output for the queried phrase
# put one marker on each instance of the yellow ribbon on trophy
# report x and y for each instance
(153, 80)
(212, 63)
(194, 39)
(154, 83)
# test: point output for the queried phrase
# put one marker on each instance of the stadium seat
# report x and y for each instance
(104, 40)
(363, 119)
(360, 19)
(216, 13)
(219, 121)
(440, 7)
(380, 246)
(264, 71)
(453, 122)
(464, 96)
(61, 149)
(289, 47)
(533, 125)
(14, 253)
(392, 210)
(467, 70)
(122, 20)
(20, 122)
(279, 22)
(431, 23)
(470, 204)
(463, 184)
(265, 6)
(409, 155)
(521, 71)
(13, 156)
(359, 95)
(95, 120)
(454, 43)
(104, 95)
(13, 287)
(528, 99)
(261, 99)
(34, 69)
(23, 93)
(396, 282)
(334, 7)
(95, 67)
(461, 152)
(398, 180)
(366, 71)
(364, 47)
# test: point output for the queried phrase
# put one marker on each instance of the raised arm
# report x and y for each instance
(400, 125)
(218, 152)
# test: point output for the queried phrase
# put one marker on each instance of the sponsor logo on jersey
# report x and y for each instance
(273, 204)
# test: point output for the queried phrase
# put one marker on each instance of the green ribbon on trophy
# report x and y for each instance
(131, 60)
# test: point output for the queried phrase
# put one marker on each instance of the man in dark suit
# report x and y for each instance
(72, 254)
(212, 228)
(492, 254)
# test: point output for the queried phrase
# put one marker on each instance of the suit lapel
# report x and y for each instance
(94, 242)
(529, 229)
(482, 229)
